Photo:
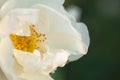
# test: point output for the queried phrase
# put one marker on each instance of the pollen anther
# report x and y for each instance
(30, 43)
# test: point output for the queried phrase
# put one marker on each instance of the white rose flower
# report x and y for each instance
(36, 37)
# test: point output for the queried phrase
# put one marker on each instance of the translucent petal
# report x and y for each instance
(82, 29)
(85, 41)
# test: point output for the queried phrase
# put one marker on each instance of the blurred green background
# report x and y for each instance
(103, 59)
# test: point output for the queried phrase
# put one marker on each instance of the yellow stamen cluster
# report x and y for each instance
(30, 43)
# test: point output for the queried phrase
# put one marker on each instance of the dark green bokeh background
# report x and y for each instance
(103, 59)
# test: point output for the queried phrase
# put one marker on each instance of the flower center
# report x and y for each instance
(30, 43)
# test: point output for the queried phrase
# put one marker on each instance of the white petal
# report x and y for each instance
(18, 21)
(60, 58)
(6, 52)
(62, 34)
(53, 59)
(57, 21)
(82, 29)
(11, 4)
(84, 41)
(6, 59)
(8, 24)
(31, 64)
